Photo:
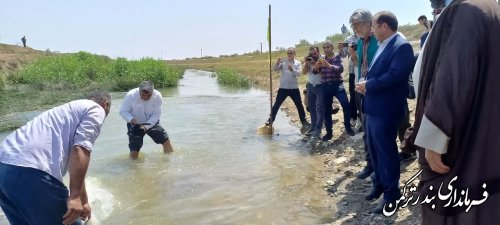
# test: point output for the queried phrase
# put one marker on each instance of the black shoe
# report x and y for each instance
(363, 174)
(374, 194)
(407, 157)
(350, 131)
(328, 136)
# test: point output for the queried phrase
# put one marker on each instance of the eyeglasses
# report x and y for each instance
(354, 25)
(290, 53)
(328, 46)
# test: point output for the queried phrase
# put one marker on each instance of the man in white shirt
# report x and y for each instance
(35, 157)
(141, 109)
(290, 71)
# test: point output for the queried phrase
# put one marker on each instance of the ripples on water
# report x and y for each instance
(220, 173)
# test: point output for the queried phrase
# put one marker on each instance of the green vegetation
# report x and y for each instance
(52, 79)
(231, 78)
(79, 70)
(255, 65)
(2, 82)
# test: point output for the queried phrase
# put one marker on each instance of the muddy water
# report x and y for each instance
(221, 171)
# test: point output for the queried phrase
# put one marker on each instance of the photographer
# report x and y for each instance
(332, 84)
(314, 92)
(290, 71)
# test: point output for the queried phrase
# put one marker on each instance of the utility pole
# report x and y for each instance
(201, 53)
(261, 47)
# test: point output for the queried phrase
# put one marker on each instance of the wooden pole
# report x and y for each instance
(270, 75)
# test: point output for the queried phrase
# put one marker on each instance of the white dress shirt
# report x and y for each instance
(381, 47)
(45, 142)
(134, 107)
(288, 79)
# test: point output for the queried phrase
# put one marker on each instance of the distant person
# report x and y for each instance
(290, 69)
(385, 90)
(331, 69)
(141, 109)
(344, 29)
(35, 157)
(456, 118)
(428, 25)
(23, 39)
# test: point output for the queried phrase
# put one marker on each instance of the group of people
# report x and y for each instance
(35, 157)
(325, 82)
(455, 78)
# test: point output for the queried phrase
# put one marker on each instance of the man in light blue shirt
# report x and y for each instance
(35, 157)
(141, 109)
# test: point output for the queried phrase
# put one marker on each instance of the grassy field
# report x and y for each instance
(33, 80)
(255, 65)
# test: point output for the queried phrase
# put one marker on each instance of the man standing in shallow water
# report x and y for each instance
(141, 109)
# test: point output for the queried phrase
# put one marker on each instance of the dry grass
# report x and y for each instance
(14, 57)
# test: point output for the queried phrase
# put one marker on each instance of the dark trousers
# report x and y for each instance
(381, 141)
(280, 98)
(403, 125)
(31, 196)
(359, 101)
(330, 90)
(352, 97)
(316, 107)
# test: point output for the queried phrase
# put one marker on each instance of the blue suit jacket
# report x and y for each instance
(387, 80)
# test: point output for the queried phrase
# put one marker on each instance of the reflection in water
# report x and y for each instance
(221, 172)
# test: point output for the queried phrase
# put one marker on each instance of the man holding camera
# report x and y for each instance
(332, 83)
(314, 92)
(290, 72)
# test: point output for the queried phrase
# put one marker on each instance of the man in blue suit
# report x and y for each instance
(385, 90)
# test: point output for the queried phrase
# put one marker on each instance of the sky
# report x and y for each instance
(178, 29)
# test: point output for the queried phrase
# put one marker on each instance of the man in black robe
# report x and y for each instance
(458, 115)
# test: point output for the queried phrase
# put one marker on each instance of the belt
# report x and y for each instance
(332, 82)
(314, 85)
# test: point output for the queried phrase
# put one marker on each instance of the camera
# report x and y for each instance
(312, 58)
